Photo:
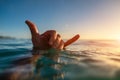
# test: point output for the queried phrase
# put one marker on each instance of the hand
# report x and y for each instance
(49, 39)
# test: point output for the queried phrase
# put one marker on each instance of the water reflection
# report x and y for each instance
(38, 66)
(84, 60)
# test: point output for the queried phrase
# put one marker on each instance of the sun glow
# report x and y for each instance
(117, 37)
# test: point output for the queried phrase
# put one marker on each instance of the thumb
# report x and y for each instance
(32, 27)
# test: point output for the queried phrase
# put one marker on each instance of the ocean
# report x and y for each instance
(82, 60)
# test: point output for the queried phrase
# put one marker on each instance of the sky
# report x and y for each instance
(92, 19)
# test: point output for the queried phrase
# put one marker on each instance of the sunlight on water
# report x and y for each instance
(105, 55)
(85, 60)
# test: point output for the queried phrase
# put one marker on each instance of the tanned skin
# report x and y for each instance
(49, 39)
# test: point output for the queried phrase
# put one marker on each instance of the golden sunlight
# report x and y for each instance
(117, 37)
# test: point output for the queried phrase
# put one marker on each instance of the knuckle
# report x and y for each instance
(58, 35)
(54, 31)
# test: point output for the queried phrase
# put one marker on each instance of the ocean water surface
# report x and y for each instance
(83, 60)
